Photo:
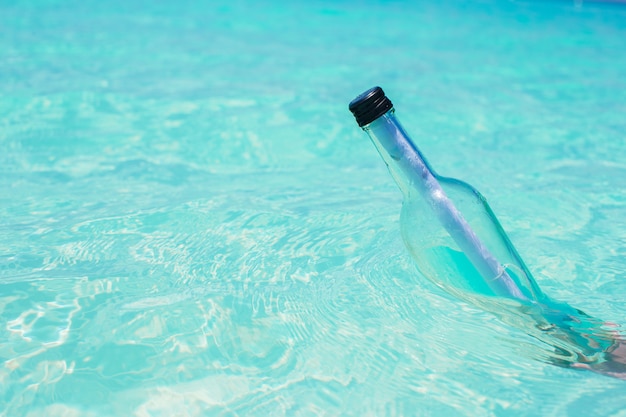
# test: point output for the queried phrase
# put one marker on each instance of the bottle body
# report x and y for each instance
(447, 225)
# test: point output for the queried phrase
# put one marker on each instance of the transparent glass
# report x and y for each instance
(457, 242)
(447, 225)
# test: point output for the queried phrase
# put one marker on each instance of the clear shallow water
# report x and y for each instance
(192, 224)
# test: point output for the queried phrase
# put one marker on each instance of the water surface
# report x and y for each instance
(192, 224)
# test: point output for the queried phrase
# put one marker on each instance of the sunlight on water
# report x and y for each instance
(192, 224)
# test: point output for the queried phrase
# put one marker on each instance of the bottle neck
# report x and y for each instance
(406, 163)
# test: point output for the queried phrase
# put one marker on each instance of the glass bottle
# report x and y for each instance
(458, 243)
(446, 224)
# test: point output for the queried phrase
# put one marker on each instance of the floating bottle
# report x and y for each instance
(458, 243)
(447, 225)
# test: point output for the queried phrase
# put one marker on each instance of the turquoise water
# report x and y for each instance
(191, 223)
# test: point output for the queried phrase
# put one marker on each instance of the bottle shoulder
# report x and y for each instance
(460, 185)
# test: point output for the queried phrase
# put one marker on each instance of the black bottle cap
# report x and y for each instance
(369, 106)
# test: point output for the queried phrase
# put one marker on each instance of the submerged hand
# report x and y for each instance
(591, 344)
(613, 363)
